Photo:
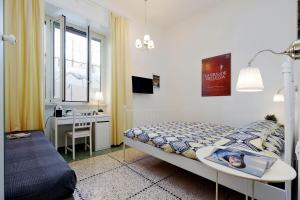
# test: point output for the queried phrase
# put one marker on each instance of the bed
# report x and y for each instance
(177, 143)
(185, 138)
(34, 170)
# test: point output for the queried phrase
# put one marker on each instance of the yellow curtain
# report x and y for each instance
(23, 65)
(121, 79)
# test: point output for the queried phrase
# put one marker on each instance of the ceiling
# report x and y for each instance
(161, 13)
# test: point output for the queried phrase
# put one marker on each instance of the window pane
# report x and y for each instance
(95, 77)
(76, 67)
(57, 67)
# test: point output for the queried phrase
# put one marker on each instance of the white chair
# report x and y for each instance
(82, 128)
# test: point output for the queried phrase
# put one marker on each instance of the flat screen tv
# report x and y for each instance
(142, 85)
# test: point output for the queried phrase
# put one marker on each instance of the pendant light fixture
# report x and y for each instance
(147, 42)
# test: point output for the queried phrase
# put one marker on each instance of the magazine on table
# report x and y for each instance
(245, 161)
(17, 135)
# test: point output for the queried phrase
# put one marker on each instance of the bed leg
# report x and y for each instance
(253, 182)
(246, 192)
(217, 184)
(124, 147)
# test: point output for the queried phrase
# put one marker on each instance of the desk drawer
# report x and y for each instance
(102, 119)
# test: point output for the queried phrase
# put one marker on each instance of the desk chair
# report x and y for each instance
(82, 128)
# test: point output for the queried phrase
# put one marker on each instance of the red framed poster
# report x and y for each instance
(216, 76)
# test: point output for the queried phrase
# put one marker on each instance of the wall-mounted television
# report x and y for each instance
(142, 85)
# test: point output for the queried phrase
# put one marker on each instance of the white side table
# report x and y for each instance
(272, 175)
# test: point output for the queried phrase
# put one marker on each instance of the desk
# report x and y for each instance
(57, 121)
(279, 172)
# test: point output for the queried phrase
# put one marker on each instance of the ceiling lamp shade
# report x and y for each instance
(147, 39)
(250, 80)
(151, 44)
(278, 98)
(138, 43)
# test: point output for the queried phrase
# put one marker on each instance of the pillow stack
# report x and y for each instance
(260, 136)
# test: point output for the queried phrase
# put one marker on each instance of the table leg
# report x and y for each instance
(55, 133)
(217, 190)
(253, 189)
(124, 149)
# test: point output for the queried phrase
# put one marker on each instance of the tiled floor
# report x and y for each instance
(82, 154)
(141, 177)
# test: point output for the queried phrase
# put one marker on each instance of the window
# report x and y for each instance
(56, 63)
(95, 70)
(76, 64)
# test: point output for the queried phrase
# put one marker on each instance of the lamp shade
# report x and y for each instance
(146, 39)
(249, 80)
(98, 96)
(151, 44)
(278, 98)
(138, 43)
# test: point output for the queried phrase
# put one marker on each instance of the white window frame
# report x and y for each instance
(97, 36)
(88, 66)
(49, 90)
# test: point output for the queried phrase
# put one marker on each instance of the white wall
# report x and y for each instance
(159, 106)
(241, 28)
(233, 26)
(144, 63)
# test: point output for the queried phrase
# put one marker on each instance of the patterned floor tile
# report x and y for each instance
(104, 177)
(81, 153)
(189, 186)
(131, 155)
(76, 195)
(120, 183)
(88, 167)
(153, 168)
(152, 193)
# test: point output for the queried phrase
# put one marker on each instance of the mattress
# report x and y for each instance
(34, 170)
(183, 138)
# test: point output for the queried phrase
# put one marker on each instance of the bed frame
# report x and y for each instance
(263, 191)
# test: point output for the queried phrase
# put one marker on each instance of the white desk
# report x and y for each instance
(279, 172)
(57, 121)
